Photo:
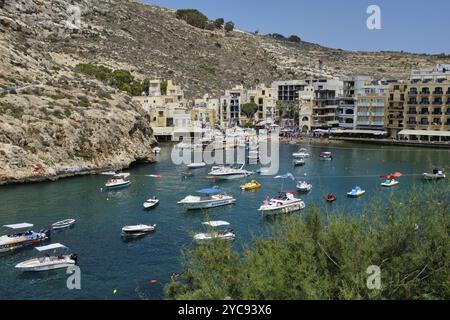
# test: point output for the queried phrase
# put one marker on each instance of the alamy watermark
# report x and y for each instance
(74, 280)
(374, 20)
(374, 278)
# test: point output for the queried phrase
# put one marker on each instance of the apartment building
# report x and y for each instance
(325, 103)
(306, 103)
(205, 111)
(396, 108)
(230, 107)
(372, 101)
(347, 109)
(265, 98)
(428, 105)
(288, 91)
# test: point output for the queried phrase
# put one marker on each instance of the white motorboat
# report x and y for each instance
(283, 203)
(138, 230)
(207, 198)
(301, 153)
(356, 192)
(120, 180)
(389, 183)
(216, 234)
(156, 150)
(151, 203)
(435, 175)
(304, 186)
(326, 156)
(299, 162)
(11, 242)
(229, 172)
(49, 262)
(63, 224)
(196, 165)
(222, 234)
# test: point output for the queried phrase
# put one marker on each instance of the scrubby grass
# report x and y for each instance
(315, 256)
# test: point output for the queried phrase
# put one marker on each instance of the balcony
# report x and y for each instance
(437, 102)
(425, 102)
(412, 102)
(411, 112)
(424, 112)
(438, 93)
(425, 93)
(424, 123)
(411, 122)
(412, 93)
(437, 113)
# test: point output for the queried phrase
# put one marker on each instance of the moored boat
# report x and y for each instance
(356, 192)
(120, 180)
(252, 185)
(326, 156)
(138, 230)
(156, 150)
(207, 198)
(229, 172)
(151, 203)
(67, 223)
(196, 165)
(283, 203)
(437, 174)
(301, 153)
(214, 233)
(389, 183)
(330, 198)
(304, 186)
(15, 241)
(49, 262)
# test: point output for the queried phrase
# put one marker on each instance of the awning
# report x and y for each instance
(19, 225)
(373, 132)
(209, 191)
(50, 247)
(434, 133)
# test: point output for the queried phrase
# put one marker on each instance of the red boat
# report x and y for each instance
(330, 198)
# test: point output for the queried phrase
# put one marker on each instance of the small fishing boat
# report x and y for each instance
(389, 183)
(299, 162)
(437, 174)
(57, 261)
(15, 241)
(63, 224)
(356, 192)
(330, 198)
(215, 234)
(120, 180)
(196, 165)
(283, 203)
(326, 156)
(301, 153)
(138, 230)
(207, 198)
(252, 185)
(151, 203)
(304, 186)
(156, 150)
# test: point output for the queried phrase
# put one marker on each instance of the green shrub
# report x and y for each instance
(218, 23)
(229, 26)
(193, 17)
(294, 38)
(321, 256)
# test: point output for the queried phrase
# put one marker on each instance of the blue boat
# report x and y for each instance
(356, 192)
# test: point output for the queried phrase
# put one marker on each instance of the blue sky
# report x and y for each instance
(409, 25)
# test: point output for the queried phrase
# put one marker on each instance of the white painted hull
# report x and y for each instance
(207, 204)
(282, 209)
(35, 265)
(230, 176)
(118, 185)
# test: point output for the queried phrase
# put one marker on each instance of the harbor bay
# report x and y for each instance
(116, 268)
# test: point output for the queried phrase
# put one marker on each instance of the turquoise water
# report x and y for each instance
(109, 263)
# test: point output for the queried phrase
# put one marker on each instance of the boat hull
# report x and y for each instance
(293, 207)
(207, 204)
(229, 176)
(26, 266)
(118, 186)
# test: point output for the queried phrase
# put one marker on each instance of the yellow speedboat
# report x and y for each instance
(252, 185)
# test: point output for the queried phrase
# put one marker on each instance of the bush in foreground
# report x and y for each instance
(315, 256)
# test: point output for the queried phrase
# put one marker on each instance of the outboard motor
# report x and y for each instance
(46, 232)
(74, 257)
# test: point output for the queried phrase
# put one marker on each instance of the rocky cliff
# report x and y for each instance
(53, 118)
